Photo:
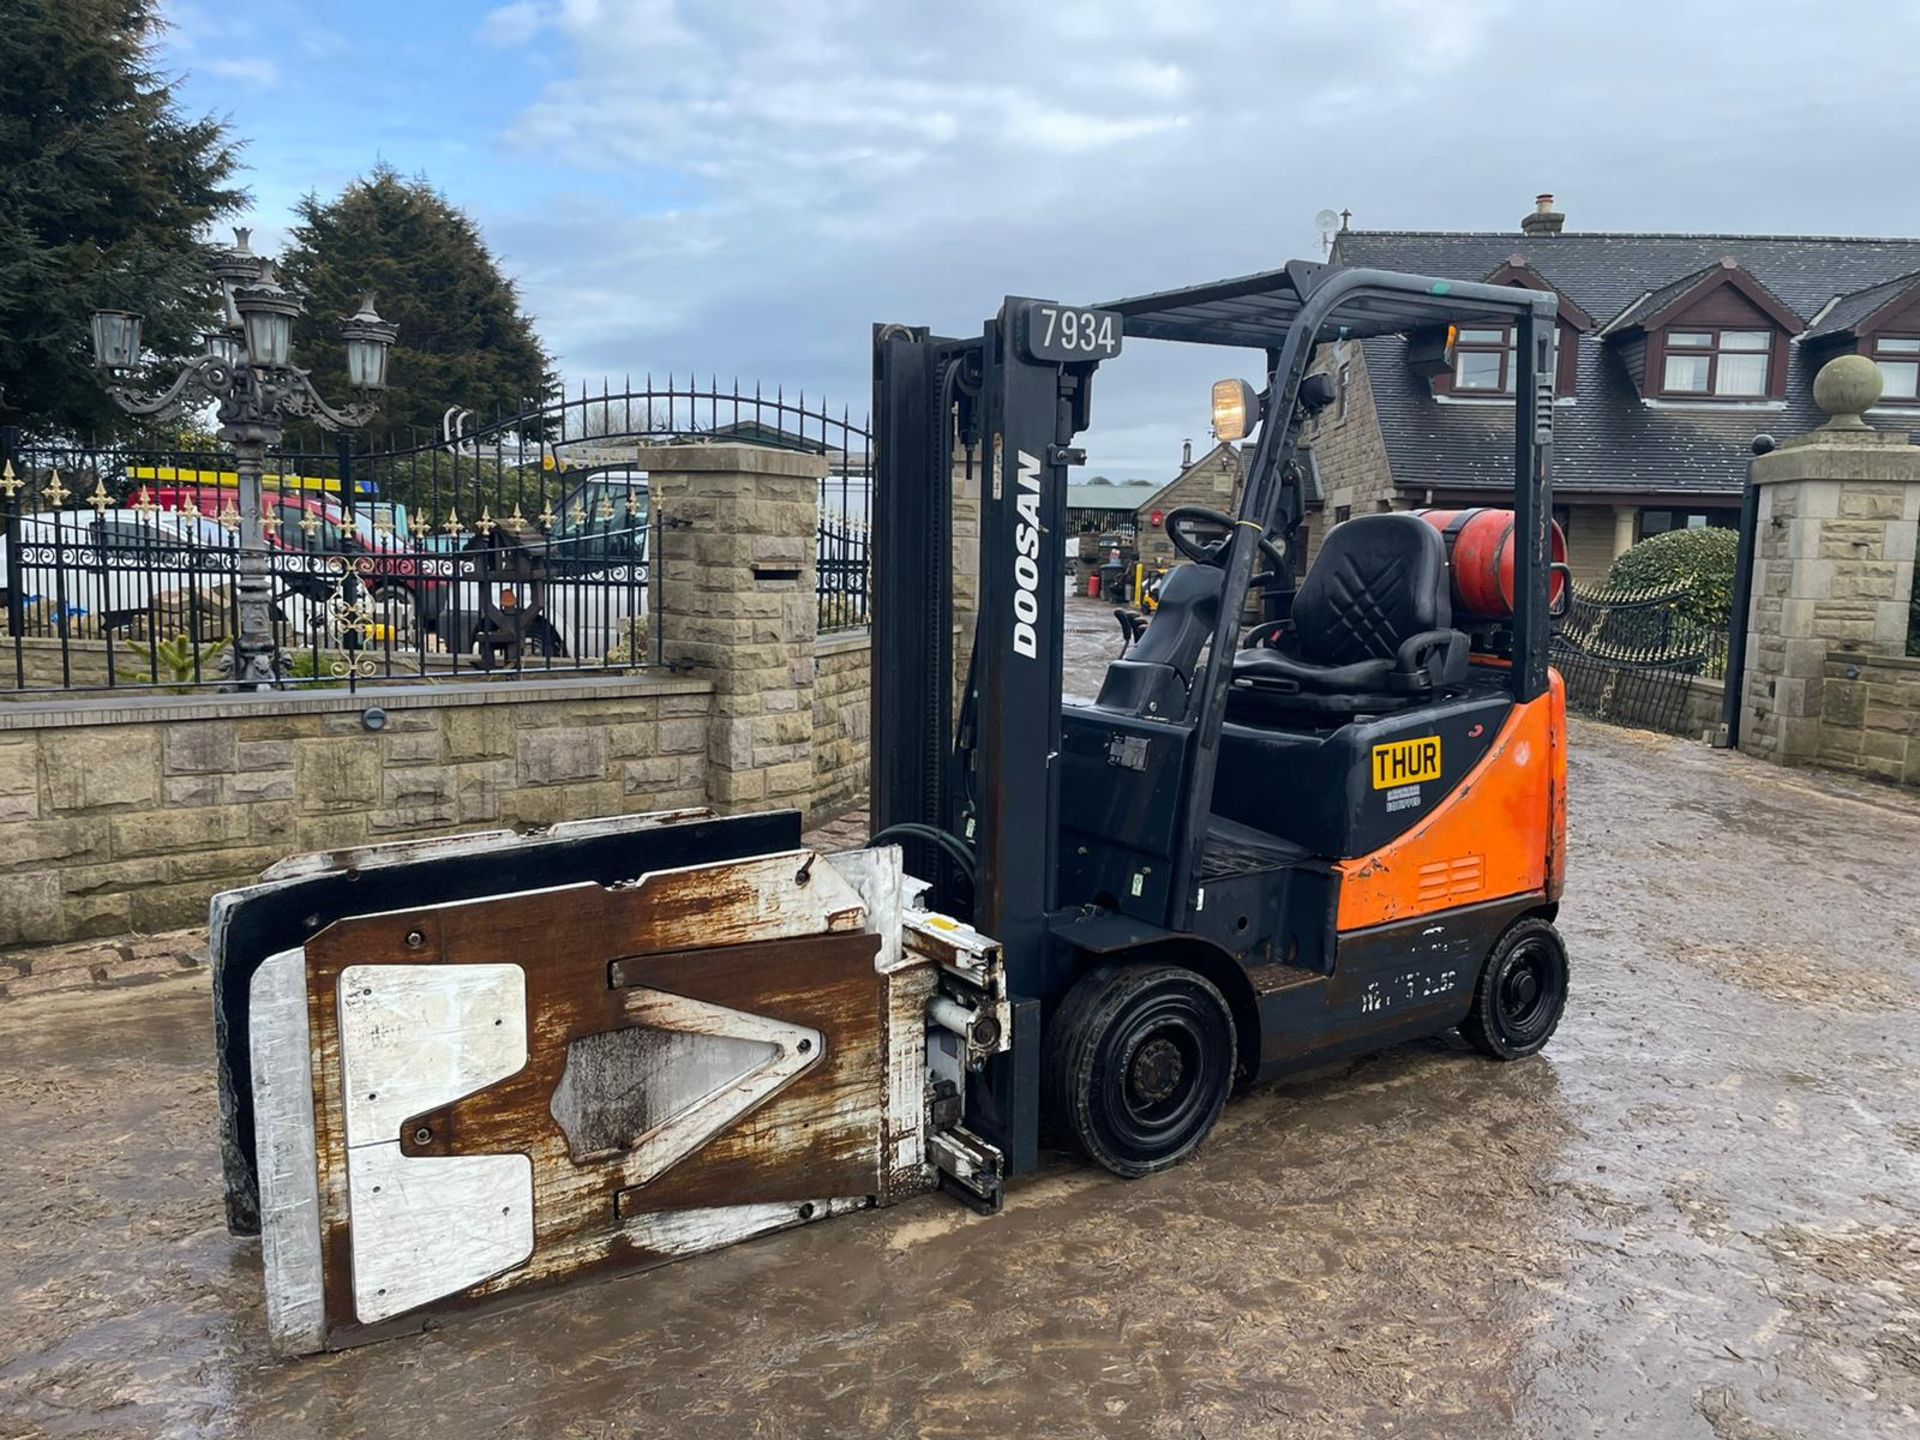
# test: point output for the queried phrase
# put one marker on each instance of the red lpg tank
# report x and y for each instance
(1480, 556)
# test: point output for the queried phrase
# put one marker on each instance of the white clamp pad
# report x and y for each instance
(414, 1038)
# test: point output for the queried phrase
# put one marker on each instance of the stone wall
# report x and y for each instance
(1212, 481)
(1592, 537)
(1348, 450)
(738, 605)
(1643, 700)
(128, 815)
(43, 666)
(842, 690)
(1870, 715)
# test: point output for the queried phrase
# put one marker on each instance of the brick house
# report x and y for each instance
(1213, 481)
(1674, 351)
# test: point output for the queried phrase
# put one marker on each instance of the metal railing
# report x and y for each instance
(1632, 656)
(843, 574)
(528, 544)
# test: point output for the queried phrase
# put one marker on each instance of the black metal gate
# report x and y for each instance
(1634, 657)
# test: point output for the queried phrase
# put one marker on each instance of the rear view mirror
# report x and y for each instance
(1316, 393)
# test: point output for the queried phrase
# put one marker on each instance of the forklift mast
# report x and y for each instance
(1022, 395)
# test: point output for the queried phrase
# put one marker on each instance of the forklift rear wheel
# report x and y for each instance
(1140, 1061)
(1522, 990)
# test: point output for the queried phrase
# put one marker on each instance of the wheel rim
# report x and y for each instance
(1168, 1078)
(1156, 1073)
(1526, 995)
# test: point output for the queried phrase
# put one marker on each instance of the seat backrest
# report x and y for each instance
(1377, 580)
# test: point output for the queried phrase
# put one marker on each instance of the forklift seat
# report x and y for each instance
(1372, 627)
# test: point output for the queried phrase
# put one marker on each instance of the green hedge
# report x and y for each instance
(1702, 560)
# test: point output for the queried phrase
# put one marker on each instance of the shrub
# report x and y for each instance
(180, 660)
(1701, 560)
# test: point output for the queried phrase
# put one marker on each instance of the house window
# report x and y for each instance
(1729, 364)
(1483, 361)
(1346, 379)
(1898, 357)
(1658, 522)
(1341, 513)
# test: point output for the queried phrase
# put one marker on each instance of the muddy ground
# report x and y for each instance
(1696, 1215)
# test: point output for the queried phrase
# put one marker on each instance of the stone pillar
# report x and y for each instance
(1624, 517)
(1833, 561)
(739, 539)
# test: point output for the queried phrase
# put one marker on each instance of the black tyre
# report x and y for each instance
(1522, 992)
(1139, 1062)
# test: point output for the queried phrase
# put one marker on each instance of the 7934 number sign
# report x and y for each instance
(1066, 335)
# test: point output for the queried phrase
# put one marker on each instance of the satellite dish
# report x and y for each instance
(1327, 222)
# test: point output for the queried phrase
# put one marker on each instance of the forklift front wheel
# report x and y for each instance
(1140, 1059)
(1522, 990)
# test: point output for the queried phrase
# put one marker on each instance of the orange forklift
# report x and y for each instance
(1261, 846)
(452, 1071)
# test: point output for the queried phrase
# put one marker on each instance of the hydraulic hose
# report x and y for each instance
(955, 848)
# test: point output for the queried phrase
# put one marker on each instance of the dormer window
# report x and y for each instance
(1898, 357)
(1730, 364)
(1483, 362)
(1715, 335)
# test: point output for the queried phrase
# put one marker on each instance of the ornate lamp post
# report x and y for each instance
(248, 370)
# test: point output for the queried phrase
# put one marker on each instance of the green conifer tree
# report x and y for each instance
(108, 196)
(463, 337)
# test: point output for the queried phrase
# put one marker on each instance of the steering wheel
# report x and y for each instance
(1214, 552)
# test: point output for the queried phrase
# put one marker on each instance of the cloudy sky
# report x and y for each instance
(744, 186)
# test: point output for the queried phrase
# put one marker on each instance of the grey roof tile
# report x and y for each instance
(1849, 310)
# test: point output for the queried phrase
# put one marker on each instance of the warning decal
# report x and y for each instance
(1406, 762)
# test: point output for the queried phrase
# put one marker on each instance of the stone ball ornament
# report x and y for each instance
(1846, 387)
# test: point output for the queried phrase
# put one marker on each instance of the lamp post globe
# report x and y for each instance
(369, 339)
(116, 340)
(267, 310)
(225, 345)
(232, 269)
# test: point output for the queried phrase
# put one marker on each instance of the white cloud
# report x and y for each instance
(256, 70)
(1071, 134)
(855, 161)
(511, 25)
(319, 43)
(768, 177)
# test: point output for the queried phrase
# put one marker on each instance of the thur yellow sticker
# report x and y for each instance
(1406, 762)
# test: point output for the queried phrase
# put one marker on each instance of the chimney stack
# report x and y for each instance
(1186, 454)
(1545, 220)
